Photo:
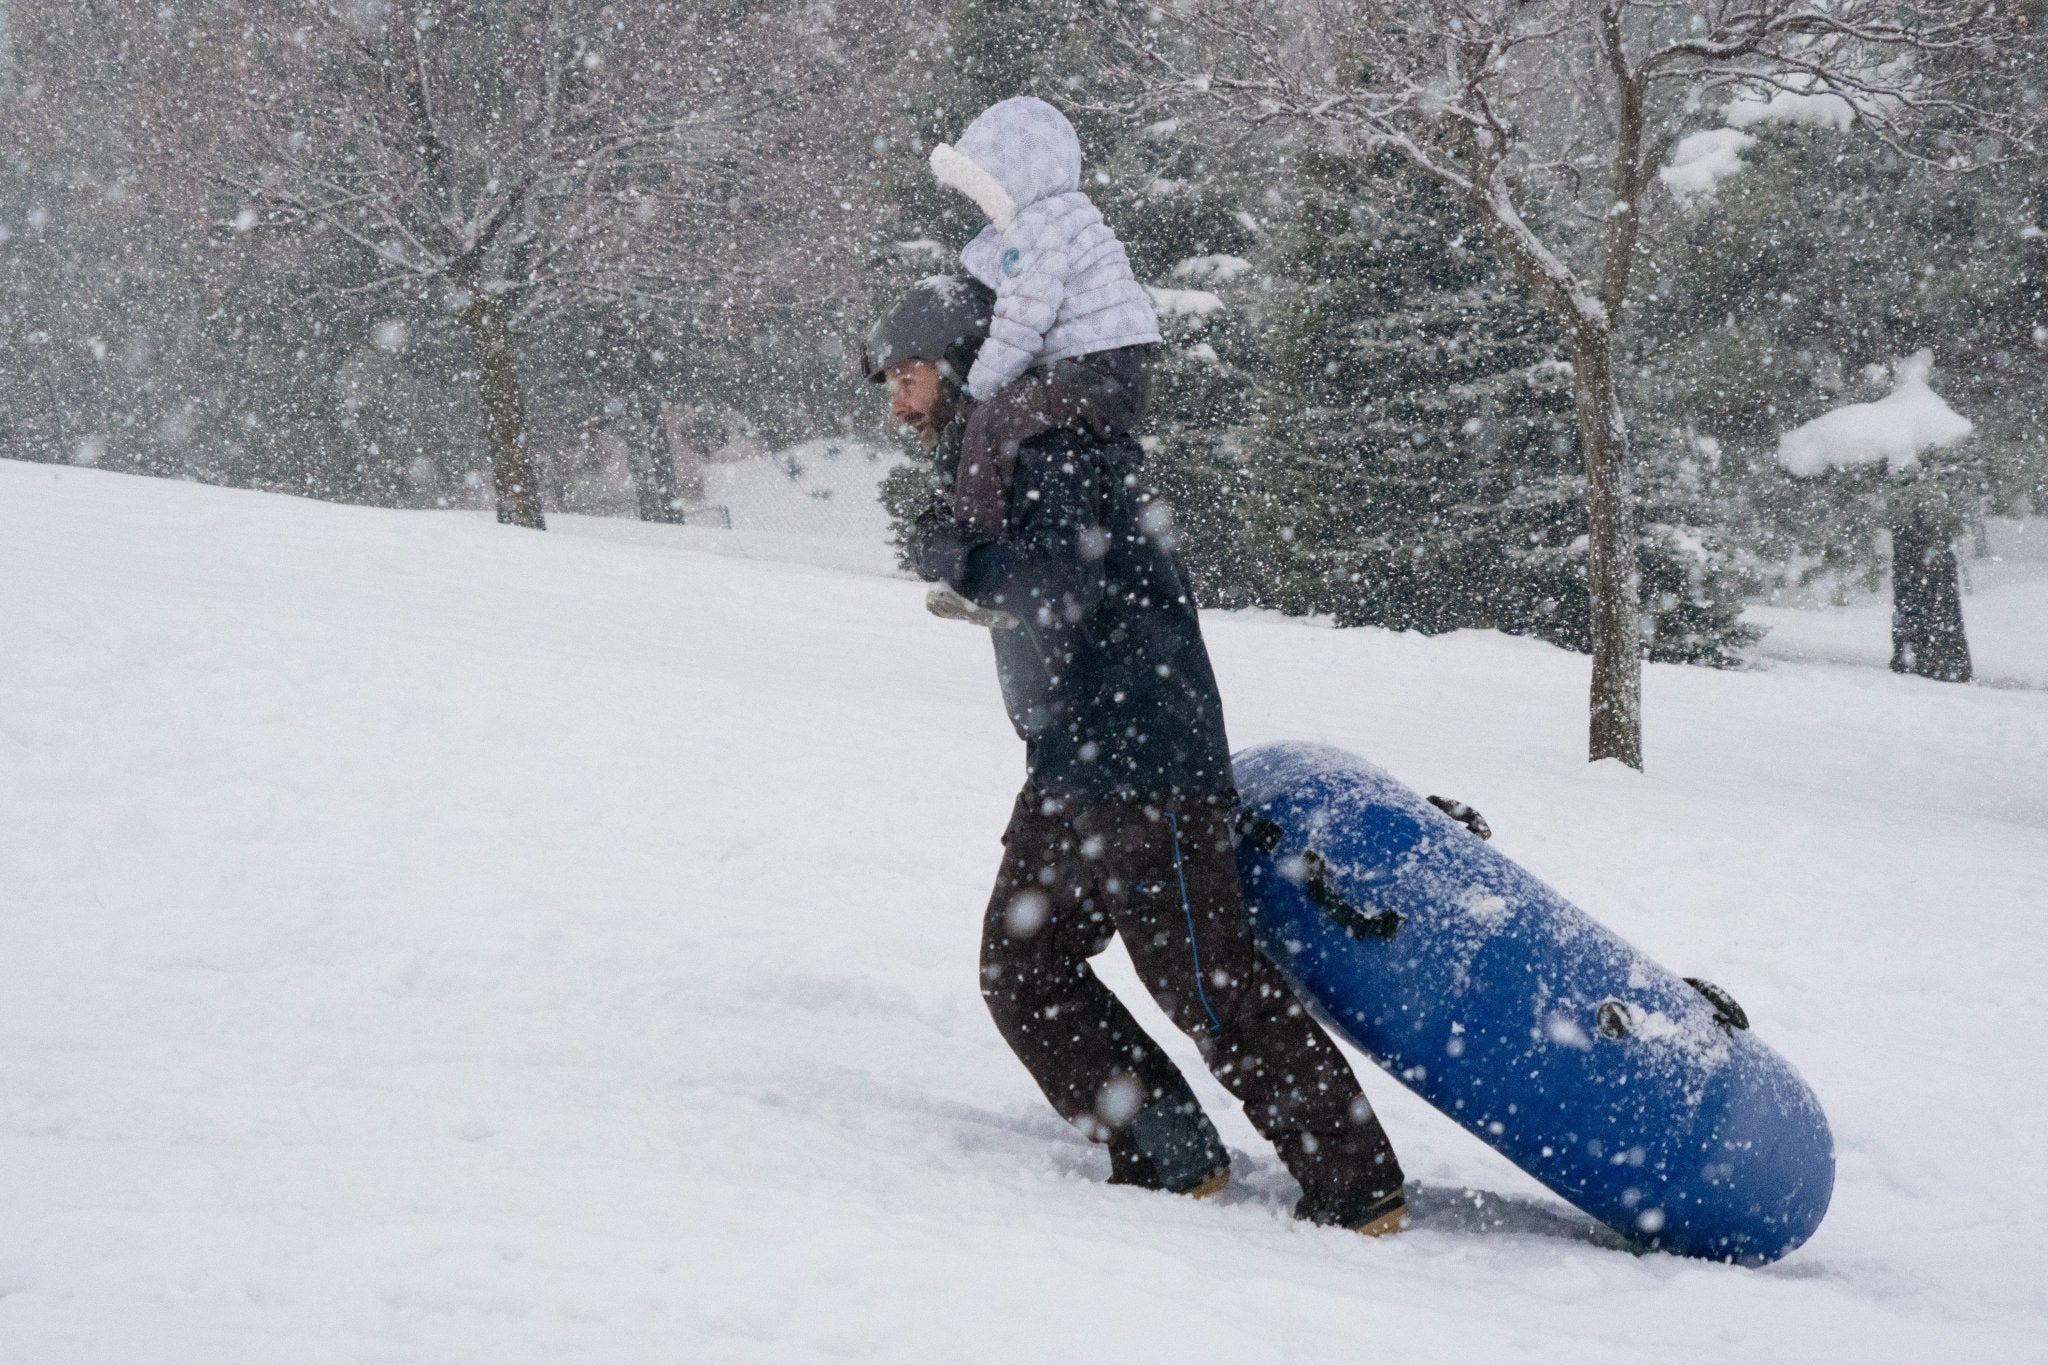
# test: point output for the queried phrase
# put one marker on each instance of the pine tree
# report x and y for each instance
(1417, 420)
(1178, 201)
(1418, 468)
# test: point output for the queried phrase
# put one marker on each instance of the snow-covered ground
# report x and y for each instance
(814, 503)
(426, 941)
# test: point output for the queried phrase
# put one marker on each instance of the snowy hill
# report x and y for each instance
(425, 941)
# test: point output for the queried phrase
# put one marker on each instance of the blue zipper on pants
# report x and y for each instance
(1215, 1024)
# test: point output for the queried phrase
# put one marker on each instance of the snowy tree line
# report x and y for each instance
(429, 253)
(1480, 314)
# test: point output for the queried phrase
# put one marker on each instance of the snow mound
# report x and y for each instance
(1892, 431)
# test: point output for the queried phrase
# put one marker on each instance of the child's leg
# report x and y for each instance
(1111, 391)
(1108, 394)
(1028, 407)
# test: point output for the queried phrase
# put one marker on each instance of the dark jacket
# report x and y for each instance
(1107, 395)
(1106, 679)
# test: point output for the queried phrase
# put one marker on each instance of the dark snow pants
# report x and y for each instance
(1165, 878)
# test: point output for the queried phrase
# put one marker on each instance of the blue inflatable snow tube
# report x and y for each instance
(1640, 1097)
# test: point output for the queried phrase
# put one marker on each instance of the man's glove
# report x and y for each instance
(939, 546)
(1464, 815)
(944, 602)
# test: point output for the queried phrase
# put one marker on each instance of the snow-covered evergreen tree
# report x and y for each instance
(1793, 286)
(1417, 467)
(1179, 201)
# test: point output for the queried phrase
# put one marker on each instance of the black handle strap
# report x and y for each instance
(1464, 815)
(1266, 836)
(1729, 1015)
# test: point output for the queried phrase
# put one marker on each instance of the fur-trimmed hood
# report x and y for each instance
(1015, 154)
(1062, 280)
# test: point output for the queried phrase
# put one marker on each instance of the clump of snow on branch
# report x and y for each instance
(1183, 303)
(1892, 431)
(1703, 160)
(1822, 109)
(1219, 268)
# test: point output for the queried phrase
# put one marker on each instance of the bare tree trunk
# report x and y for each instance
(1612, 577)
(1927, 600)
(1616, 715)
(654, 474)
(513, 471)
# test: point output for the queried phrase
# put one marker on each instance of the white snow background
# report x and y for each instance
(425, 941)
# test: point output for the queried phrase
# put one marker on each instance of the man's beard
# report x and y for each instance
(932, 425)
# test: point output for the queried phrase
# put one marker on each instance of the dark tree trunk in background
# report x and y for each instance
(1927, 599)
(513, 471)
(655, 495)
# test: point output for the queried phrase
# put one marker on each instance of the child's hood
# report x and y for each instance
(1016, 153)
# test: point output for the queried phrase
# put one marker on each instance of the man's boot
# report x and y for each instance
(1375, 1218)
(1348, 1180)
(1171, 1146)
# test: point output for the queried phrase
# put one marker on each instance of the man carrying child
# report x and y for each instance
(1049, 536)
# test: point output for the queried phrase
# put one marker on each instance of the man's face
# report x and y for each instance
(917, 398)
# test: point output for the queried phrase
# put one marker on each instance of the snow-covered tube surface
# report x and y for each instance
(1639, 1097)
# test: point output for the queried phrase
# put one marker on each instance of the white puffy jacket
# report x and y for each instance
(1063, 283)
